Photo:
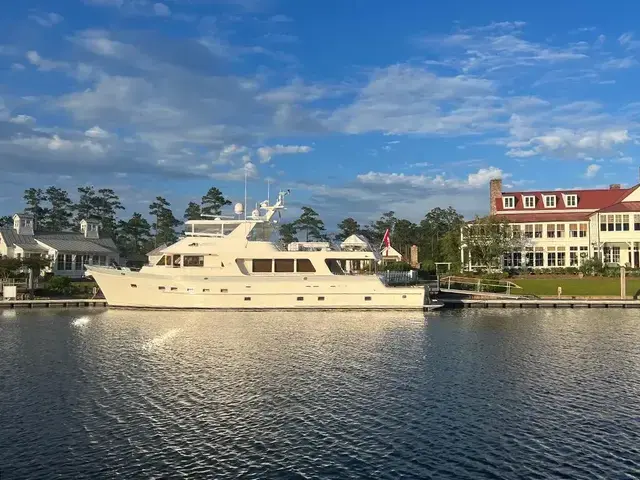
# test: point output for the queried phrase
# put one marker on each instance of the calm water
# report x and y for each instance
(467, 394)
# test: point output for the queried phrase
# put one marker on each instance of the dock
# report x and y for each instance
(53, 303)
(451, 302)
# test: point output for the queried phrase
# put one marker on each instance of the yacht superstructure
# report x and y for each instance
(230, 263)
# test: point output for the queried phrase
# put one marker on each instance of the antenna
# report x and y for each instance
(245, 192)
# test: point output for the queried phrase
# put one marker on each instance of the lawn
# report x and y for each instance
(588, 286)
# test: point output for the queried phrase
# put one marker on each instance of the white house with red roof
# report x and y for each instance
(562, 228)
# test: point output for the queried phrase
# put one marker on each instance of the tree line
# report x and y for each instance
(437, 235)
(54, 211)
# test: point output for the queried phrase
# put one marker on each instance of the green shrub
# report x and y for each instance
(397, 267)
(60, 286)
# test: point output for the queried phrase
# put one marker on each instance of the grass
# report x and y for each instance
(588, 286)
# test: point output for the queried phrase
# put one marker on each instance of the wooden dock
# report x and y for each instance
(57, 303)
(538, 303)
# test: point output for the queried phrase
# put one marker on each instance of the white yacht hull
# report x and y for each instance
(129, 289)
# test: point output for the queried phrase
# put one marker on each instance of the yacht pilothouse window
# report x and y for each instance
(334, 266)
(305, 265)
(284, 265)
(261, 265)
(193, 261)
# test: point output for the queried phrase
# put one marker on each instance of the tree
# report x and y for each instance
(311, 223)
(213, 202)
(375, 231)
(404, 234)
(287, 233)
(107, 203)
(347, 227)
(34, 198)
(6, 221)
(192, 212)
(487, 239)
(9, 267)
(436, 231)
(165, 224)
(60, 213)
(135, 234)
(85, 208)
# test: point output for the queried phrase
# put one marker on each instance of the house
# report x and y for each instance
(562, 228)
(68, 251)
(390, 254)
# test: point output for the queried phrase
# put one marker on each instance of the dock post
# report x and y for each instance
(623, 283)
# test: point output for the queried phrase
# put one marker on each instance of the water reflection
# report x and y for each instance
(468, 394)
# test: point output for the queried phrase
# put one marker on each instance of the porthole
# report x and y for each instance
(404, 296)
(367, 299)
(300, 299)
(247, 299)
(320, 299)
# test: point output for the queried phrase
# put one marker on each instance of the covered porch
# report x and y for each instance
(623, 253)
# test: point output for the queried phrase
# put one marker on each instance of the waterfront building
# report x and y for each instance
(563, 228)
(69, 252)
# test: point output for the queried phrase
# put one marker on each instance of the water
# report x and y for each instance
(464, 395)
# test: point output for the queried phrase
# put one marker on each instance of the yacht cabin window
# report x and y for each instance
(162, 261)
(284, 265)
(304, 265)
(261, 265)
(193, 261)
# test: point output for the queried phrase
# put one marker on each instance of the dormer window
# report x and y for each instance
(508, 202)
(529, 201)
(571, 200)
(550, 201)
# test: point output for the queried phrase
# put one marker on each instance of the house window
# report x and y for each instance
(550, 201)
(584, 252)
(560, 230)
(538, 233)
(516, 231)
(68, 262)
(551, 230)
(193, 261)
(284, 265)
(583, 230)
(539, 259)
(618, 220)
(529, 202)
(573, 230)
(573, 256)
(528, 231)
(60, 262)
(551, 259)
(611, 254)
(517, 259)
(509, 202)
(529, 259)
(507, 260)
(571, 200)
(610, 223)
(561, 259)
(304, 265)
(636, 222)
(625, 223)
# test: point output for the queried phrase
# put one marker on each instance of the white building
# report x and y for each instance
(563, 228)
(68, 251)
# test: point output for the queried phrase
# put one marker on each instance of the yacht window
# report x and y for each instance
(300, 299)
(193, 261)
(224, 290)
(247, 299)
(160, 288)
(334, 266)
(133, 285)
(173, 289)
(304, 265)
(367, 299)
(284, 265)
(205, 290)
(162, 261)
(321, 299)
(261, 266)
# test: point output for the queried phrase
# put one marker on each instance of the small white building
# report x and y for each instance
(68, 251)
(390, 254)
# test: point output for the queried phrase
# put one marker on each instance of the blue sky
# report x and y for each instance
(357, 107)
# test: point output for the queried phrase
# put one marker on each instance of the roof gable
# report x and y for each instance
(587, 199)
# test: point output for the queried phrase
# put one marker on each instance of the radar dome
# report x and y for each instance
(238, 209)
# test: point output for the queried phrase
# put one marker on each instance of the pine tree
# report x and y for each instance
(347, 227)
(192, 212)
(165, 224)
(61, 211)
(311, 223)
(135, 234)
(34, 198)
(6, 222)
(213, 202)
(107, 203)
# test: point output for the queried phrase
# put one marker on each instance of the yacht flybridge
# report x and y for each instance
(231, 263)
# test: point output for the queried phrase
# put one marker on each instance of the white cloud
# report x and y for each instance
(592, 170)
(161, 10)
(46, 19)
(105, 3)
(403, 99)
(96, 132)
(628, 41)
(17, 67)
(474, 180)
(266, 153)
(569, 143)
(619, 63)
(44, 64)
(23, 119)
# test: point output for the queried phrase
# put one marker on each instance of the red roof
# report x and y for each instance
(622, 207)
(545, 217)
(587, 199)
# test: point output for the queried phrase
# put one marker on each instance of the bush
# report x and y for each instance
(60, 286)
(397, 267)
(592, 266)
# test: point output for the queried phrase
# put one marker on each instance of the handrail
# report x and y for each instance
(477, 282)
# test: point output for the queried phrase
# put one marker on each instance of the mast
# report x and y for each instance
(245, 192)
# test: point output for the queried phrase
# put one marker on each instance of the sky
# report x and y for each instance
(359, 107)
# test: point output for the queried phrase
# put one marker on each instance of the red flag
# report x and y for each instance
(387, 241)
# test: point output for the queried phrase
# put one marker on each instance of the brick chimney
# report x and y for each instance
(614, 186)
(495, 192)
